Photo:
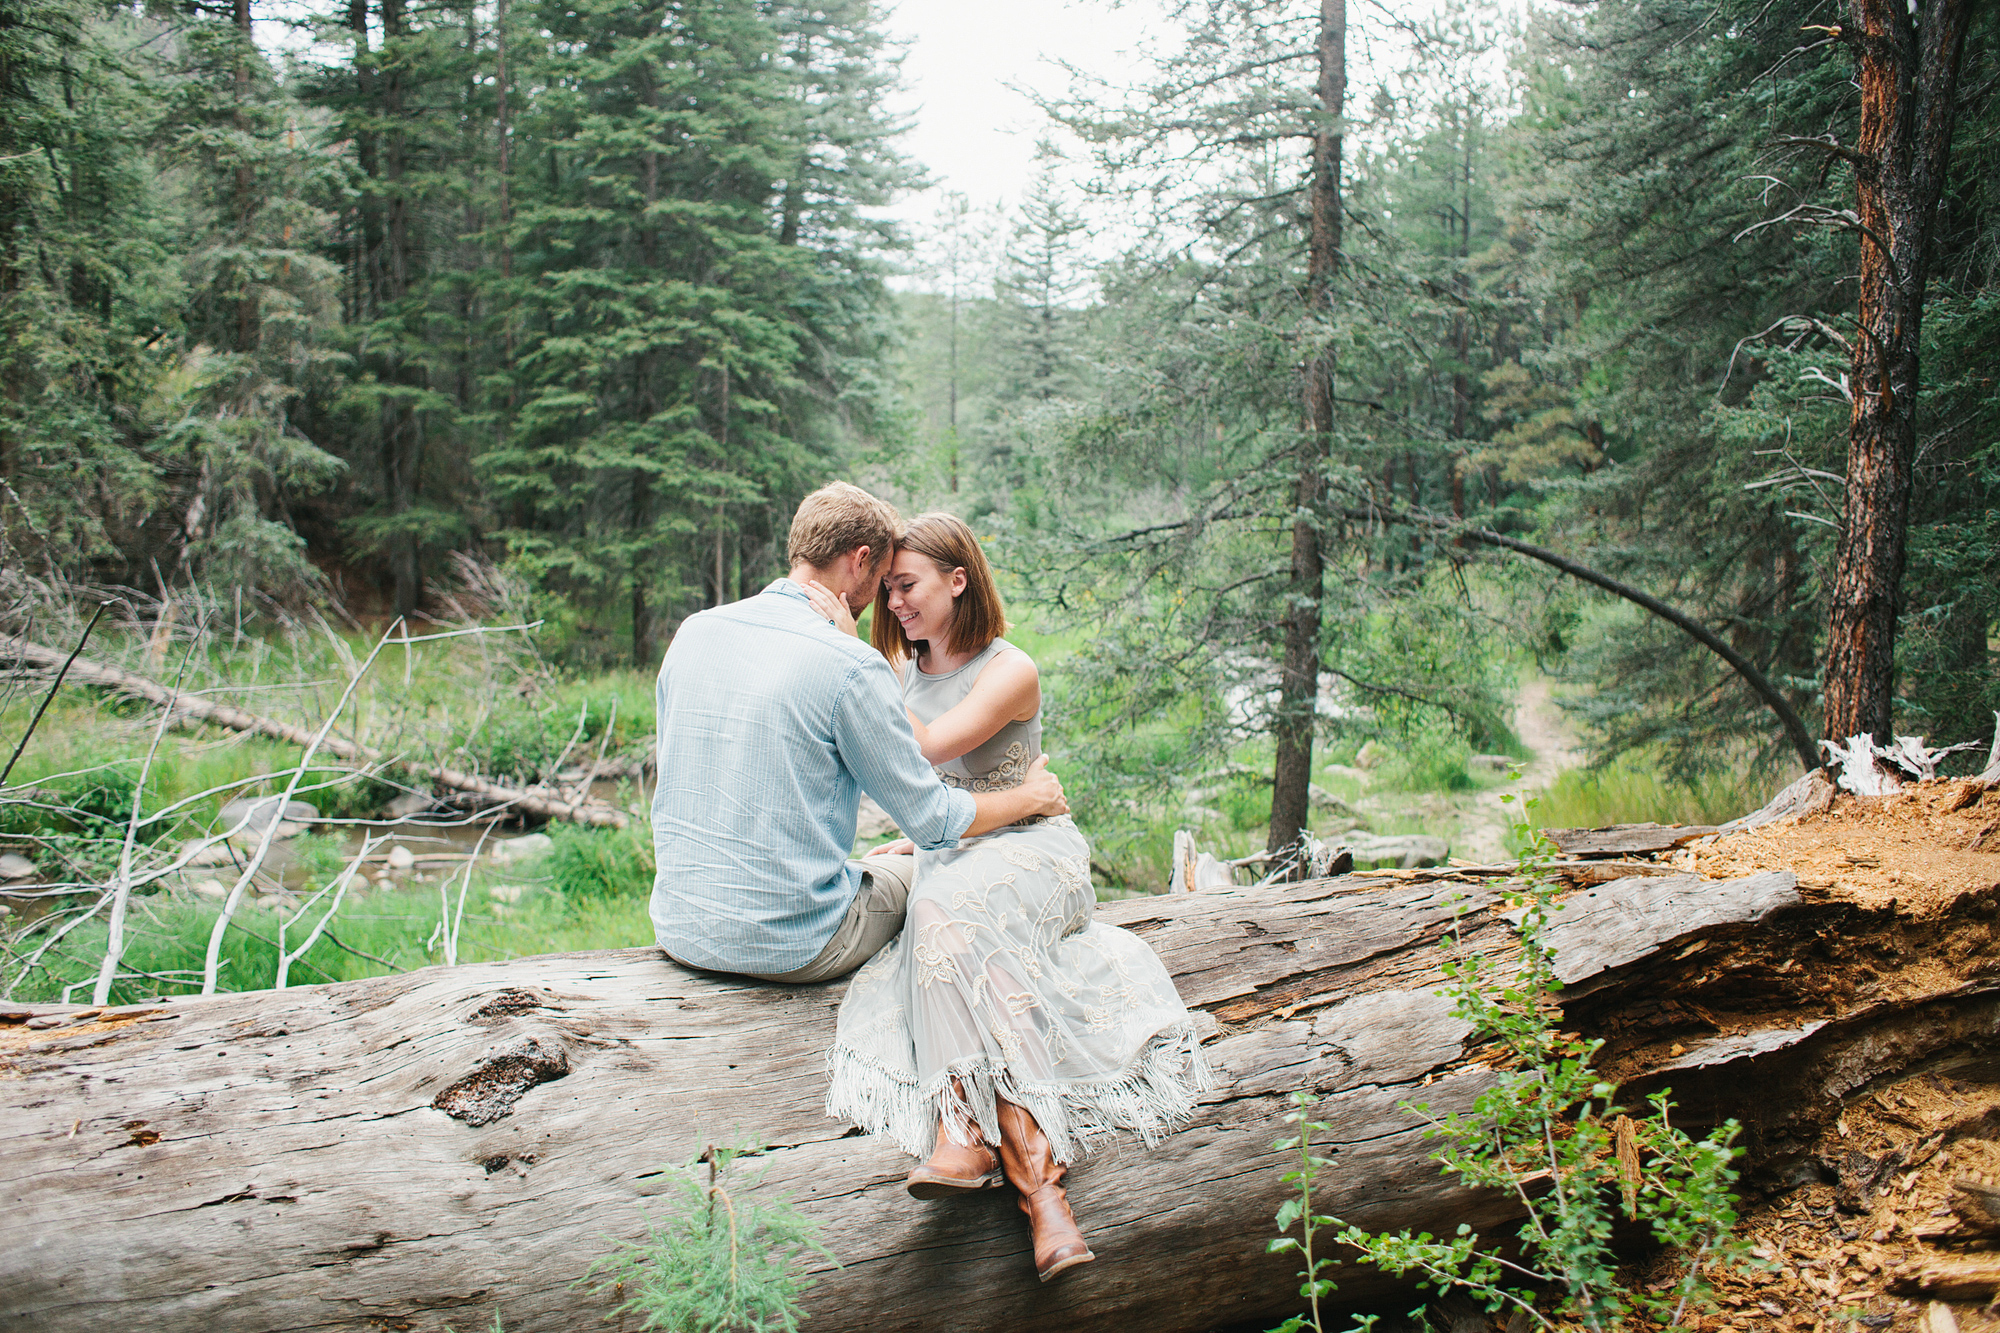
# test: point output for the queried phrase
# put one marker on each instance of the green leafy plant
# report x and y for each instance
(1550, 1134)
(718, 1263)
(591, 863)
(1299, 1210)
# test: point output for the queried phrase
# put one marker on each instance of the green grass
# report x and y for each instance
(601, 863)
(85, 759)
(553, 913)
(487, 703)
(1632, 791)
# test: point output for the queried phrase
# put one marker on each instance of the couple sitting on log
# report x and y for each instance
(993, 1027)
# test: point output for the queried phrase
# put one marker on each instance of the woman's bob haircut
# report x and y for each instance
(977, 619)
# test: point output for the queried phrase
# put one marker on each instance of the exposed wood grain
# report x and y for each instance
(1807, 795)
(1626, 839)
(279, 1161)
(1608, 926)
(1951, 1280)
(1583, 873)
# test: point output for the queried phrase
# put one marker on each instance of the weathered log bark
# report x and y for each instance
(193, 709)
(279, 1160)
(1626, 839)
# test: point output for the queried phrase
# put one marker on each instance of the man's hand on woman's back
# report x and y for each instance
(1040, 793)
(1046, 788)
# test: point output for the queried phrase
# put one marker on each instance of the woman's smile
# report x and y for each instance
(921, 596)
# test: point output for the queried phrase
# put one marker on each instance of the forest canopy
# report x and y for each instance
(597, 292)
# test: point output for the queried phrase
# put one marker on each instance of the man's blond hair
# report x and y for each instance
(835, 519)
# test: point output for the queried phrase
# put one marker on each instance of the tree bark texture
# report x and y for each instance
(1305, 596)
(448, 1145)
(1908, 58)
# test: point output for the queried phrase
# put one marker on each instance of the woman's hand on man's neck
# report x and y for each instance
(853, 577)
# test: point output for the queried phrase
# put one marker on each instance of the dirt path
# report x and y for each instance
(1546, 732)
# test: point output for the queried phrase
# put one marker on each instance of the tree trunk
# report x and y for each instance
(793, 208)
(1909, 86)
(246, 184)
(368, 210)
(16, 215)
(1305, 596)
(504, 147)
(402, 425)
(455, 1144)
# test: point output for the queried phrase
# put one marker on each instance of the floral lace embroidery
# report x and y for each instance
(1025, 857)
(1004, 982)
(1020, 1002)
(1011, 771)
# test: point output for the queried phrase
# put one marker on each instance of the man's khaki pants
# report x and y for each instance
(872, 921)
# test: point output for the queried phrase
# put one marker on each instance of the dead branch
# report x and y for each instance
(190, 711)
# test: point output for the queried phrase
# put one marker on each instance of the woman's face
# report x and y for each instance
(922, 596)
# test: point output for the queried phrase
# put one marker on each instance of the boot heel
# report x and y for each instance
(925, 1183)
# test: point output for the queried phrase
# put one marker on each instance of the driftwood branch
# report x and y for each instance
(1788, 717)
(1864, 165)
(194, 711)
(441, 1147)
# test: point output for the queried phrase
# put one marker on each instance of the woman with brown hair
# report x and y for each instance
(1003, 1017)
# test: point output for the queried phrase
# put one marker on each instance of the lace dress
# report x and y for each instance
(1002, 980)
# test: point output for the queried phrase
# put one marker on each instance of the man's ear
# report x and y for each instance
(864, 564)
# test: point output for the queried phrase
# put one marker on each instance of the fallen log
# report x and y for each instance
(1951, 1280)
(194, 710)
(1626, 839)
(440, 1147)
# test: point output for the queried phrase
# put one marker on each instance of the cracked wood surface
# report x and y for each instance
(434, 1148)
(1626, 839)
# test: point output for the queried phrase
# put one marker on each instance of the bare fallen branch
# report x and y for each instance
(188, 710)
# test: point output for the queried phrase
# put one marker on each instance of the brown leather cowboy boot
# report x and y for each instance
(1032, 1168)
(955, 1168)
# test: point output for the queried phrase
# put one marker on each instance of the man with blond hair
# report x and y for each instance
(773, 718)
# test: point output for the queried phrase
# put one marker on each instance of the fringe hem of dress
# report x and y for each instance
(1153, 1097)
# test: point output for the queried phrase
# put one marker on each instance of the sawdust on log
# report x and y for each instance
(1916, 852)
(1854, 1249)
(1882, 1236)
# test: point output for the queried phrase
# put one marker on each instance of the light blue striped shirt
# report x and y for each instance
(771, 724)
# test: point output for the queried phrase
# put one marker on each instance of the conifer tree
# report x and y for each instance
(695, 289)
(262, 303)
(85, 284)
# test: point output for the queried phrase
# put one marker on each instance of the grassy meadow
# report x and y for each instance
(97, 767)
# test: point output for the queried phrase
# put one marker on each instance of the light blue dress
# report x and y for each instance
(1002, 980)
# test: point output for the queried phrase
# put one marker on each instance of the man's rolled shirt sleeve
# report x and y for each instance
(872, 733)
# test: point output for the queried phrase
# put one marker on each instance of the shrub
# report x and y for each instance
(591, 863)
(1547, 1117)
(1247, 803)
(714, 1262)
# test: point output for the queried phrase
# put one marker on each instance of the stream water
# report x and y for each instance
(439, 845)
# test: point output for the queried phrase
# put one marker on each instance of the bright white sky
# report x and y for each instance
(969, 65)
(973, 131)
